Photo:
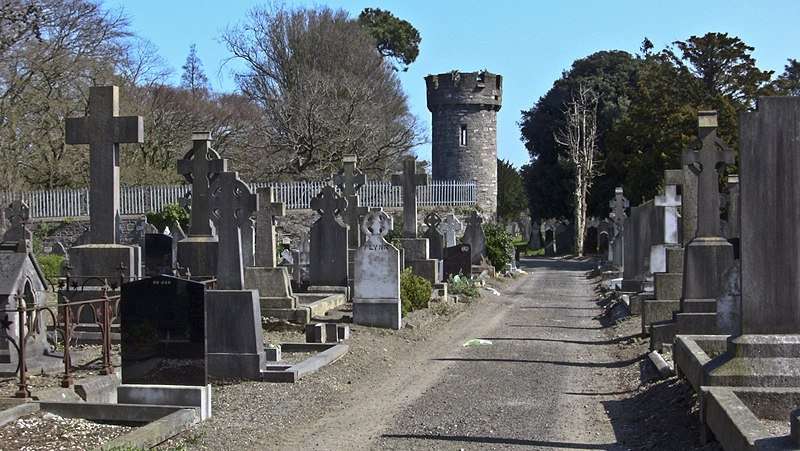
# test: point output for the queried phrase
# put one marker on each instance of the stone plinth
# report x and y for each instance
(103, 261)
(233, 330)
(275, 294)
(199, 255)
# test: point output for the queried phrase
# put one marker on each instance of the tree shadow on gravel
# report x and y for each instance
(577, 342)
(617, 364)
(501, 441)
(547, 326)
(561, 265)
(560, 307)
(661, 416)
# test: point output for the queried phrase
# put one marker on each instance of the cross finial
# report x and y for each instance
(104, 130)
(327, 202)
(432, 220)
(200, 166)
(707, 162)
(409, 180)
(376, 225)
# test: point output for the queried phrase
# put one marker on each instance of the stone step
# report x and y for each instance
(277, 302)
(658, 310)
(661, 333)
(699, 306)
(696, 324)
(300, 315)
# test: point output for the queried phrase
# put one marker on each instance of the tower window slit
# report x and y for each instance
(462, 135)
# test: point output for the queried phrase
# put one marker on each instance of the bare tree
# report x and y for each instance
(579, 137)
(193, 77)
(323, 92)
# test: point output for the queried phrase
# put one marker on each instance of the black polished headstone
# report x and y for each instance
(457, 260)
(163, 326)
(159, 254)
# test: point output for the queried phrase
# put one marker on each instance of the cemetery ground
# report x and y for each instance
(560, 374)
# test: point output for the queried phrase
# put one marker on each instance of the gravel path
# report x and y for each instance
(554, 378)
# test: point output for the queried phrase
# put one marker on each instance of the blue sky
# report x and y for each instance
(529, 42)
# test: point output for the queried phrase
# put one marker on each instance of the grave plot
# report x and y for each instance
(42, 430)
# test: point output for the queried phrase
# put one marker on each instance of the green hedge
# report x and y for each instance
(499, 244)
(415, 291)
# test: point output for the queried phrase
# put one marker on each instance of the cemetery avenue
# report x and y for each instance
(546, 225)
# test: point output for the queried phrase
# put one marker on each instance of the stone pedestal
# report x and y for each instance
(757, 361)
(233, 330)
(414, 249)
(199, 255)
(275, 294)
(103, 261)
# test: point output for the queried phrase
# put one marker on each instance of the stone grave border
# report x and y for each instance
(327, 353)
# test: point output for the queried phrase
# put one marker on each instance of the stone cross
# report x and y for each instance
(671, 201)
(200, 167)
(18, 214)
(350, 180)
(266, 216)
(434, 235)
(375, 227)
(706, 162)
(618, 206)
(104, 130)
(450, 227)
(231, 204)
(328, 203)
(410, 180)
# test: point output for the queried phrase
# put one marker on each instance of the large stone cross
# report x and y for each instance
(706, 162)
(350, 180)
(266, 216)
(104, 130)
(18, 214)
(618, 206)
(375, 227)
(328, 203)
(410, 180)
(199, 167)
(231, 204)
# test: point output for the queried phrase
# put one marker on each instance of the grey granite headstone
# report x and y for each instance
(159, 254)
(376, 288)
(231, 204)
(474, 236)
(104, 130)
(410, 180)
(268, 212)
(329, 259)
(451, 226)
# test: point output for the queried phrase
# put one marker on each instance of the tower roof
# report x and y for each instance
(465, 88)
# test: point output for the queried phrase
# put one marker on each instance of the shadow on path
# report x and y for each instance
(617, 364)
(501, 441)
(555, 327)
(577, 342)
(561, 265)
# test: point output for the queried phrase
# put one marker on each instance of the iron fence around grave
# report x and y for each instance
(74, 203)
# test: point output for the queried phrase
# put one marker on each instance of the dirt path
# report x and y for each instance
(554, 378)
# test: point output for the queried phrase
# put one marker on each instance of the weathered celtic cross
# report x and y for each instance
(104, 130)
(618, 206)
(327, 203)
(450, 227)
(410, 180)
(266, 216)
(200, 166)
(706, 162)
(231, 204)
(350, 180)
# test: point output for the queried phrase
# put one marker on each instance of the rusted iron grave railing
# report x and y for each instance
(104, 310)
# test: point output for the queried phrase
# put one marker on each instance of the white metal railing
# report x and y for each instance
(71, 203)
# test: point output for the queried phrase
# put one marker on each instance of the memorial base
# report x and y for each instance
(198, 397)
(384, 313)
(95, 264)
(233, 334)
(198, 254)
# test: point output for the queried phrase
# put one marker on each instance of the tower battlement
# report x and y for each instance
(465, 88)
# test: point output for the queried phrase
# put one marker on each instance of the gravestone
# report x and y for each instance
(329, 259)
(163, 327)
(457, 260)
(409, 180)
(272, 281)
(670, 200)
(248, 232)
(434, 236)
(450, 227)
(733, 224)
(376, 289)
(565, 238)
(231, 204)
(350, 180)
(159, 256)
(535, 237)
(200, 167)
(103, 257)
(618, 216)
(474, 236)
(604, 230)
(20, 275)
(766, 352)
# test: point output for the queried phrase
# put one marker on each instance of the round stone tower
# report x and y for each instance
(464, 126)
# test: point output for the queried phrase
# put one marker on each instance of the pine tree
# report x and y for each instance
(194, 78)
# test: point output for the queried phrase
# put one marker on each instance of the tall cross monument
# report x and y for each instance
(350, 180)
(200, 166)
(104, 130)
(409, 180)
